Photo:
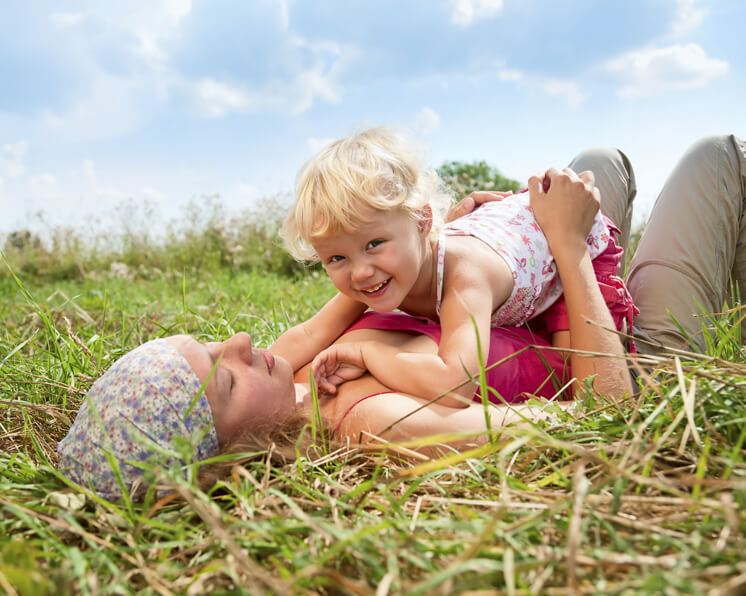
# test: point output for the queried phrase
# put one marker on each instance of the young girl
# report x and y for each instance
(370, 212)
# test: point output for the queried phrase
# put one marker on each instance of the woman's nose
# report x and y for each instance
(240, 346)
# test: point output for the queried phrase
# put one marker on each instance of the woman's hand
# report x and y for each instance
(337, 364)
(474, 200)
(564, 205)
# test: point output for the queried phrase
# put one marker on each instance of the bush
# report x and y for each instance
(464, 178)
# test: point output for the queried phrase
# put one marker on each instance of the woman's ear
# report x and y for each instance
(425, 223)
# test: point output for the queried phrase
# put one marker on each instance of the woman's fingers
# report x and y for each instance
(564, 203)
(588, 177)
(474, 200)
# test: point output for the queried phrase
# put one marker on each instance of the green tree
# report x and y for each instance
(463, 178)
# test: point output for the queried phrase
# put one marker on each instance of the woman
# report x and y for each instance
(250, 392)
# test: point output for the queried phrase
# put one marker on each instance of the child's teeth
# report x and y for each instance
(378, 287)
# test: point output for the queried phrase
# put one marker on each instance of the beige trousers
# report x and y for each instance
(694, 243)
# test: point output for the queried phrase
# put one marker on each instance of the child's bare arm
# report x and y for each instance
(470, 294)
(299, 344)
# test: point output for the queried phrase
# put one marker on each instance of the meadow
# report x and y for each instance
(641, 496)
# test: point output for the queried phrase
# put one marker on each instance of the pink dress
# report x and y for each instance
(534, 371)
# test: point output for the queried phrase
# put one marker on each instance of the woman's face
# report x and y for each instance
(249, 387)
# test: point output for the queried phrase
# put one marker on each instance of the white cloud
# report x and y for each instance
(89, 174)
(687, 17)
(284, 16)
(43, 187)
(329, 61)
(294, 94)
(111, 107)
(426, 121)
(152, 195)
(155, 26)
(316, 145)
(12, 159)
(248, 191)
(468, 12)
(92, 193)
(215, 99)
(510, 75)
(177, 9)
(657, 70)
(66, 19)
(565, 89)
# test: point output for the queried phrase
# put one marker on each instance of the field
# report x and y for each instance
(644, 496)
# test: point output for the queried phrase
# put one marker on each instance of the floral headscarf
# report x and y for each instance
(134, 413)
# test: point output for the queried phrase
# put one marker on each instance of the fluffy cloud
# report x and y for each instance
(468, 12)
(44, 187)
(687, 17)
(111, 106)
(509, 75)
(152, 195)
(66, 19)
(565, 89)
(295, 93)
(315, 145)
(657, 70)
(215, 99)
(426, 121)
(12, 159)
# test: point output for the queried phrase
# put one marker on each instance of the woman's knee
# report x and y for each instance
(723, 157)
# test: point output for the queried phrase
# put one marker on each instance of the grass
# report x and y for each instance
(644, 496)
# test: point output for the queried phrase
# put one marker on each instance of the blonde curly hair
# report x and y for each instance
(376, 168)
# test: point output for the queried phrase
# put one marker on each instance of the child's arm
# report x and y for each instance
(470, 293)
(299, 344)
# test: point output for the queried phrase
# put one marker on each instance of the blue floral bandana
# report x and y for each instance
(143, 408)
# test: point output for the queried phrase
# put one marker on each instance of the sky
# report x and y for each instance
(164, 102)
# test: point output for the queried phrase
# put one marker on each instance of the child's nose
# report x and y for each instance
(361, 271)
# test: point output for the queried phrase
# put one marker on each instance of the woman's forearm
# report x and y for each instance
(589, 325)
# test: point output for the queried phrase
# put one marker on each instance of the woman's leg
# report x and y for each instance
(693, 245)
(616, 181)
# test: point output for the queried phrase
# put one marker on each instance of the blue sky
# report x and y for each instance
(166, 101)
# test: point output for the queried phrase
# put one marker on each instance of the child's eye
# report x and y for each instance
(335, 259)
(374, 243)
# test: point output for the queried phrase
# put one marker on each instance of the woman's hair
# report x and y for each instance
(376, 168)
(285, 442)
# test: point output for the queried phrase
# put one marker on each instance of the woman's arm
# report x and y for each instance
(565, 213)
(408, 419)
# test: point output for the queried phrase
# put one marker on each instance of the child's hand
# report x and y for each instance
(337, 364)
(474, 200)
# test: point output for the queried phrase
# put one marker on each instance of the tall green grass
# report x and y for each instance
(138, 244)
(641, 496)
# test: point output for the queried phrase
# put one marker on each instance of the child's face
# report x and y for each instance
(378, 264)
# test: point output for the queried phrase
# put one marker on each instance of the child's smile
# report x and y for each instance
(380, 263)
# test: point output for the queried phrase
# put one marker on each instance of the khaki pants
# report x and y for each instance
(694, 243)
